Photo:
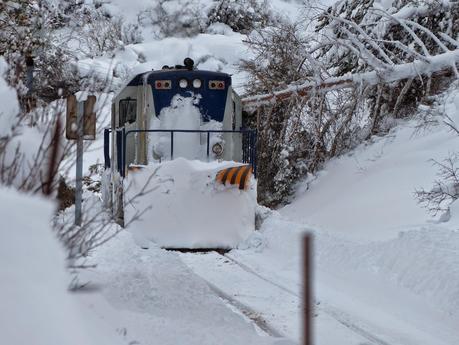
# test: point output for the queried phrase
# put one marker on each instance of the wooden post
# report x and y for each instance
(79, 164)
(308, 308)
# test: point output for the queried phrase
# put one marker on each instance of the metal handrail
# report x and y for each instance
(122, 167)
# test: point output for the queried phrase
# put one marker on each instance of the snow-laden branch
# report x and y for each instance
(370, 54)
(440, 63)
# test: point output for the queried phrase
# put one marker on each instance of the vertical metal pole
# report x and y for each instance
(247, 147)
(123, 158)
(255, 136)
(251, 149)
(243, 147)
(79, 165)
(107, 148)
(119, 150)
(172, 145)
(307, 290)
(29, 74)
(208, 144)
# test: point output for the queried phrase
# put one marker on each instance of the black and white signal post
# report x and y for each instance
(80, 125)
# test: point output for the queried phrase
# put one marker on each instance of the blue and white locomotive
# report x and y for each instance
(183, 112)
(140, 103)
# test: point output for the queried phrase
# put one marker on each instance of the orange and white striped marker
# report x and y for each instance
(236, 176)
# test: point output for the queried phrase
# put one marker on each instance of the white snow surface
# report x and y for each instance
(151, 297)
(398, 291)
(384, 270)
(220, 51)
(188, 209)
(36, 307)
(381, 260)
(370, 191)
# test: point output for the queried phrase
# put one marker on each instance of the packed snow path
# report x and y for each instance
(273, 304)
(150, 297)
(262, 283)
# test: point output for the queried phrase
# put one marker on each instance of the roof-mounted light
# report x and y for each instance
(183, 83)
(197, 83)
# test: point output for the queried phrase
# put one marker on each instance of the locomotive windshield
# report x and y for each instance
(128, 111)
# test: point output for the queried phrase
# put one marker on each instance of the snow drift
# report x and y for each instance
(36, 306)
(187, 208)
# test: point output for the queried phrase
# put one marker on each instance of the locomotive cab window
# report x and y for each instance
(128, 111)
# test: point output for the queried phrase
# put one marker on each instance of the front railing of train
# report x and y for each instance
(249, 144)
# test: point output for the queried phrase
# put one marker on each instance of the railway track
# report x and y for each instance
(340, 316)
(209, 266)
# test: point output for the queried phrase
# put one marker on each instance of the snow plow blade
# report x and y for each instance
(186, 208)
(237, 176)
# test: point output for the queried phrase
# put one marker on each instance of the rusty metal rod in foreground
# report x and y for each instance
(308, 308)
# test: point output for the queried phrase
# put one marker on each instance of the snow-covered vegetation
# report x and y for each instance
(356, 106)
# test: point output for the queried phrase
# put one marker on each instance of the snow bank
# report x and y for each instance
(368, 194)
(405, 289)
(423, 261)
(188, 209)
(381, 260)
(36, 307)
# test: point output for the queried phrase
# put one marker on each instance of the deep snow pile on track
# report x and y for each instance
(187, 208)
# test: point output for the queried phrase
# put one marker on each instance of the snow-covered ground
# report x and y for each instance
(385, 272)
(36, 307)
(382, 262)
(150, 297)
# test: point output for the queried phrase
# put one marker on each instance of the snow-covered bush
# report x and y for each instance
(446, 188)
(356, 73)
(95, 32)
(186, 18)
(373, 35)
(179, 18)
(24, 28)
(278, 52)
(10, 105)
(241, 15)
(51, 37)
(31, 149)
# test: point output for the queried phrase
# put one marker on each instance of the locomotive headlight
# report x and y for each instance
(197, 83)
(217, 149)
(183, 83)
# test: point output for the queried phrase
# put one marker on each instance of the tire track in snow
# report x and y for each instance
(343, 318)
